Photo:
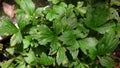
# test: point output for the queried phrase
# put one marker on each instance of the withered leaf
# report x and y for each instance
(8, 9)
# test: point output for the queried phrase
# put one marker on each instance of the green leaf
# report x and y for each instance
(79, 9)
(63, 4)
(27, 6)
(81, 31)
(16, 39)
(6, 64)
(59, 9)
(46, 60)
(54, 47)
(74, 53)
(22, 20)
(7, 27)
(118, 30)
(96, 17)
(70, 10)
(108, 43)
(61, 56)
(69, 21)
(40, 49)
(54, 1)
(57, 27)
(38, 11)
(18, 1)
(106, 62)
(115, 2)
(74, 50)
(10, 50)
(88, 47)
(21, 65)
(68, 38)
(26, 43)
(51, 14)
(106, 27)
(43, 34)
(1, 47)
(81, 65)
(114, 14)
(30, 59)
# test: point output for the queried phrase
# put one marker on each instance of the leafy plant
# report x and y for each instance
(61, 35)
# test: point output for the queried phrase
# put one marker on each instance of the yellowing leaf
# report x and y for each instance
(16, 39)
(61, 56)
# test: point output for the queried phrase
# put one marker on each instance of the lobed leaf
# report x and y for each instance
(96, 17)
(7, 27)
(46, 60)
(61, 56)
(68, 38)
(27, 6)
(106, 62)
(88, 47)
(16, 39)
(108, 43)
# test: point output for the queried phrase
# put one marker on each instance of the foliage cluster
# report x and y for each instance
(79, 35)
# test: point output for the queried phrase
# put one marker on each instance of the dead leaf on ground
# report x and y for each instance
(8, 9)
